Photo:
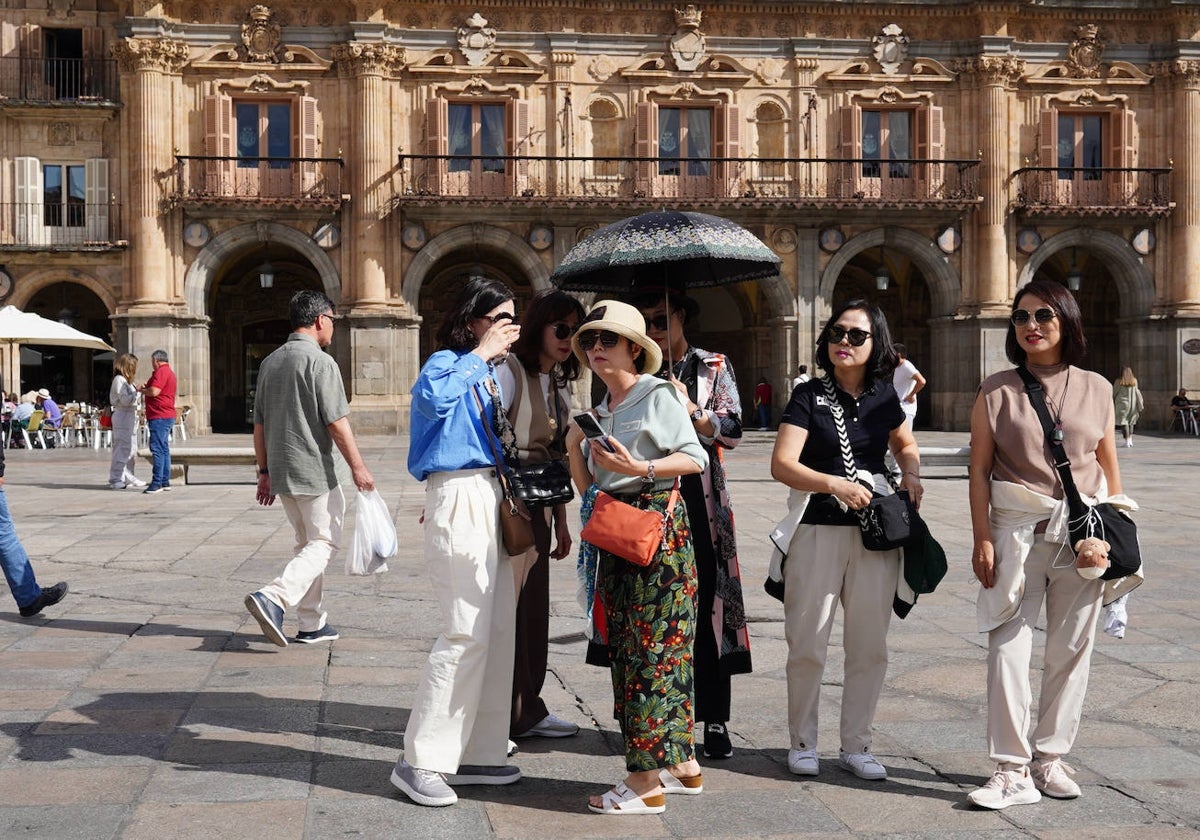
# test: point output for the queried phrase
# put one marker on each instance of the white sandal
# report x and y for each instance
(621, 801)
(686, 785)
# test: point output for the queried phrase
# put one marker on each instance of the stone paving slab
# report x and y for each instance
(147, 704)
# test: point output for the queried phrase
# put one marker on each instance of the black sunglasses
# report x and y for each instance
(608, 339)
(658, 322)
(1020, 317)
(834, 335)
(562, 330)
(500, 316)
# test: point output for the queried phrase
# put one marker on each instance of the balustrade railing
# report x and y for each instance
(1101, 188)
(299, 180)
(25, 79)
(59, 226)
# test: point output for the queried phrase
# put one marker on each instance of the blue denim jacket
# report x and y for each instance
(446, 431)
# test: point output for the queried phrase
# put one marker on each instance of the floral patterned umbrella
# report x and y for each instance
(665, 248)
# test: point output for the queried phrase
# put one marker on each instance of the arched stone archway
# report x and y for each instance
(1134, 280)
(945, 288)
(40, 278)
(480, 237)
(197, 282)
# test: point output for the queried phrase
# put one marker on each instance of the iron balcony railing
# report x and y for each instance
(71, 226)
(1099, 189)
(766, 180)
(299, 181)
(25, 79)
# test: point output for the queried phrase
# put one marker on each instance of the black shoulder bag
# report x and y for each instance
(1104, 521)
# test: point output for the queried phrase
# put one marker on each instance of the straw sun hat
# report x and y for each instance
(624, 320)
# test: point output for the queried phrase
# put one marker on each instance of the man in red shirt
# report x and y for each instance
(160, 418)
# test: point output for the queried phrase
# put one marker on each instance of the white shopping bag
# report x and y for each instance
(374, 536)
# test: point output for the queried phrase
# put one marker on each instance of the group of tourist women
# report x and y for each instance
(496, 396)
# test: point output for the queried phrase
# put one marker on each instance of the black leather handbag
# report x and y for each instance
(887, 523)
(542, 485)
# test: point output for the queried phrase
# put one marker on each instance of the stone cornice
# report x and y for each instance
(994, 69)
(369, 59)
(163, 54)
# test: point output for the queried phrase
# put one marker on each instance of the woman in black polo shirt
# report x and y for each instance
(826, 562)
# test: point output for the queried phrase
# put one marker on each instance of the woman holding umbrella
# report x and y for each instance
(648, 611)
(706, 385)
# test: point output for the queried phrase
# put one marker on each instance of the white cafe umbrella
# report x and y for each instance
(17, 327)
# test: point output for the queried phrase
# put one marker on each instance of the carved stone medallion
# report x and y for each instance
(1085, 52)
(261, 38)
(476, 40)
(890, 48)
(688, 46)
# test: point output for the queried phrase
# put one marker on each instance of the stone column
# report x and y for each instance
(1183, 289)
(148, 66)
(987, 292)
(371, 161)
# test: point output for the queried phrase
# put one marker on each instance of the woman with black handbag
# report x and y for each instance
(842, 422)
(1021, 555)
(646, 615)
(534, 381)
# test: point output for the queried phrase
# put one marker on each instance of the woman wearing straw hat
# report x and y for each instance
(645, 614)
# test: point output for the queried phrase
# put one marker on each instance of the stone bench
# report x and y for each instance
(204, 456)
(945, 456)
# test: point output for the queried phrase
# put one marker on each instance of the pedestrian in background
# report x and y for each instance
(18, 571)
(457, 733)
(534, 381)
(159, 393)
(706, 384)
(122, 398)
(1128, 403)
(762, 403)
(305, 451)
(908, 382)
(827, 563)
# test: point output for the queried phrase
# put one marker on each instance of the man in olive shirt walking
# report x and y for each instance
(300, 415)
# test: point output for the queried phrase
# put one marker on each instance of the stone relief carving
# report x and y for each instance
(890, 48)
(601, 68)
(61, 8)
(162, 54)
(476, 40)
(370, 59)
(770, 71)
(1085, 52)
(688, 45)
(261, 38)
(60, 134)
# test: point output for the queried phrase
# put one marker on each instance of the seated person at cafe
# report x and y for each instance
(1182, 406)
(52, 417)
(20, 419)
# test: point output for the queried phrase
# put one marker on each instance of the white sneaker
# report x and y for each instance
(1006, 787)
(862, 764)
(1053, 777)
(551, 726)
(425, 787)
(804, 762)
(135, 482)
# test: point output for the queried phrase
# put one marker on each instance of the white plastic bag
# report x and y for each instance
(374, 536)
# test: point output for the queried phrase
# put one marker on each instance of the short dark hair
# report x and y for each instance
(547, 307)
(804, 368)
(882, 360)
(1070, 320)
(306, 307)
(900, 350)
(477, 297)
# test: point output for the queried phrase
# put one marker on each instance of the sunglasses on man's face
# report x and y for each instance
(658, 322)
(608, 340)
(562, 330)
(834, 334)
(1020, 317)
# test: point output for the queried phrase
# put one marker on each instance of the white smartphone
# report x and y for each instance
(592, 431)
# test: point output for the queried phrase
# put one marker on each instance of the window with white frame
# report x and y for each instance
(61, 202)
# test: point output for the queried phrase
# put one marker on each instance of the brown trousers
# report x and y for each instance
(531, 573)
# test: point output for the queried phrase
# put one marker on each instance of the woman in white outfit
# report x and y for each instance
(122, 396)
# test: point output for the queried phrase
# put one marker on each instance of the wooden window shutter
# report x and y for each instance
(92, 77)
(645, 146)
(309, 170)
(1047, 155)
(32, 71)
(437, 142)
(29, 201)
(218, 142)
(931, 145)
(1123, 153)
(730, 146)
(96, 200)
(845, 174)
(519, 144)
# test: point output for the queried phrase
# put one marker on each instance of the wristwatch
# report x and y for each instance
(698, 414)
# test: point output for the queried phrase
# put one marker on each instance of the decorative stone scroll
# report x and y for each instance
(369, 59)
(162, 54)
(890, 48)
(476, 40)
(261, 38)
(688, 46)
(1085, 53)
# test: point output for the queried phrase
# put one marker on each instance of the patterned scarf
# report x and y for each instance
(502, 428)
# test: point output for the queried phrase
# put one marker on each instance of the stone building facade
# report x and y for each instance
(159, 160)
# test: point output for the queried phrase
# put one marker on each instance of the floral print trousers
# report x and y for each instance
(650, 613)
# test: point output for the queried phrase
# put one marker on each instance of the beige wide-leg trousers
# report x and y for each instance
(1072, 608)
(461, 712)
(827, 564)
(317, 521)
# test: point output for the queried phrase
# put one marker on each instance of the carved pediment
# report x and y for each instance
(226, 56)
(917, 70)
(262, 83)
(891, 95)
(1116, 73)
(500, 63)
(656, 66)
(1087, 97)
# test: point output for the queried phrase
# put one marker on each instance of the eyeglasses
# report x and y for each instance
(658, 322)
(333, 319)
(562, 330)
(500, 316)
(834, 335)
(608, 339)
(1020, 317)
